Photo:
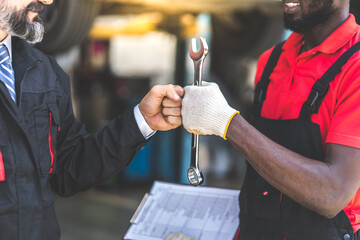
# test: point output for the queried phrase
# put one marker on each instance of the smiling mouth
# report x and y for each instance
(292, 4)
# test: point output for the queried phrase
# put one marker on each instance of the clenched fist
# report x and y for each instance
(161, 107)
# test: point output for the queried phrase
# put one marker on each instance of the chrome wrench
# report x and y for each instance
(194, 174)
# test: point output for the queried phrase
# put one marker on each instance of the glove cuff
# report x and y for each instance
(222, 120)
(228, 124)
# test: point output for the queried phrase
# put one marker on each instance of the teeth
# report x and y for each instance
(292, 4)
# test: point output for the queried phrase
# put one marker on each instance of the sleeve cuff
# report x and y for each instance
(145, 129)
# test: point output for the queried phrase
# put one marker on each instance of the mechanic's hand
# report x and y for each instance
(161, 107)
(205, 110)
(178, 236)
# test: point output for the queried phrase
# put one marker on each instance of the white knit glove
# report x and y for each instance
(178, 236)
(205, 111)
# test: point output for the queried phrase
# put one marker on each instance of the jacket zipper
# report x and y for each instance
(2, 168)
(51, 148)
(16, 120)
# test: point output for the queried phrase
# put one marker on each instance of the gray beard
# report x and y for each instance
(16, 23)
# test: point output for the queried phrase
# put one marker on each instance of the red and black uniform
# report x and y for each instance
(302, 102)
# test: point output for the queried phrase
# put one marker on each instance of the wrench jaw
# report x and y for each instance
(195, 176)
(202, 53)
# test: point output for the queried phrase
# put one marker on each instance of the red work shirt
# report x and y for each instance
(291, 82)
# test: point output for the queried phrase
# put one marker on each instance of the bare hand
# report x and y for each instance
(178, 236)
(161, 107)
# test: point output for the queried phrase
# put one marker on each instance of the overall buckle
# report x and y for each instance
(314, 95)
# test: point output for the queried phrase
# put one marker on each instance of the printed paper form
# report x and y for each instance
(205, 213)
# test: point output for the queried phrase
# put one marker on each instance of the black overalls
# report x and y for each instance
(266, 213)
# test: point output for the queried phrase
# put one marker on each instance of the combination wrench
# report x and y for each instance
(194, 174)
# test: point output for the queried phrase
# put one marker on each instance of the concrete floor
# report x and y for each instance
(104, 213)
(98, 214)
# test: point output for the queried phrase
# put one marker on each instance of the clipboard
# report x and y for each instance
(206, 213)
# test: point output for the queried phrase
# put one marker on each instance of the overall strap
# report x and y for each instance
(321, 86)
(262, 85)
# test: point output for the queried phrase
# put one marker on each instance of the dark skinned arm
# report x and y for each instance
(323, 187)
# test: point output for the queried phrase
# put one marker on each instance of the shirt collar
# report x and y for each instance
(7, 43)
(340, 37)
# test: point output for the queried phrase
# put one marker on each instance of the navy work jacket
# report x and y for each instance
(43, 148)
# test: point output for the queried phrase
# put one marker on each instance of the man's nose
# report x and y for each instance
(46, 2)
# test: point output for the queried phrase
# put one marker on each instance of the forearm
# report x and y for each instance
(322, 186)
(85, 160)
(311, 183)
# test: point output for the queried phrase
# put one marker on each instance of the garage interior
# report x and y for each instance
(114, 51)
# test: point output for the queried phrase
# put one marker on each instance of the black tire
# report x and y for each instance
(355, 9)
(247, 34)
(67, 23)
